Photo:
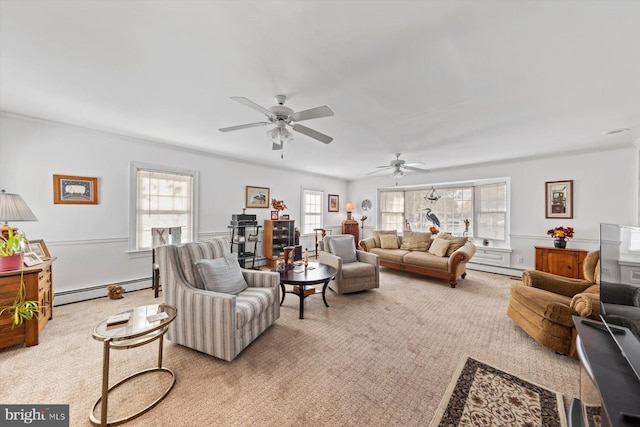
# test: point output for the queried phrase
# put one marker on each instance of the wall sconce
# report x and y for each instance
(349, 208)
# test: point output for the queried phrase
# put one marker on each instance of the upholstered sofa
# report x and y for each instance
(543, 304)
(218, 323)
(444, 256)
(357, 270)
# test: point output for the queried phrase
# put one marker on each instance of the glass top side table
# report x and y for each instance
(136, 327)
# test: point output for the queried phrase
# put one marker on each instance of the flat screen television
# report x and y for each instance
(620, 288)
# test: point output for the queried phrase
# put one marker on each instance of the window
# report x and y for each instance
(483, 205)
(161, 198)
(311, 210)
(392, 210)
(491, 211)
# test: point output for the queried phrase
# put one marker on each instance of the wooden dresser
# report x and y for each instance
(350, 226)
(38, 281)
(563, 262)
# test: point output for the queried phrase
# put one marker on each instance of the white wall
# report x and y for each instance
(91, 241)
(605, 189)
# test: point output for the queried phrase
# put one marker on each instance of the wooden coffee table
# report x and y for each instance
(303, 281)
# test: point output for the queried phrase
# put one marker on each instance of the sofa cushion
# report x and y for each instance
(425, 259)
(344, 247)
(388, 241)
(376, 235)
(455, 243)
(395, 255)
(416, 241)
(358, 269)
(439, 246)
(222, 274)
(252, 303)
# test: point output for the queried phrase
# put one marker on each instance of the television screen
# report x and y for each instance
(620, 288)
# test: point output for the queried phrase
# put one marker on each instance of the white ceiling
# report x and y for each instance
(448, 83)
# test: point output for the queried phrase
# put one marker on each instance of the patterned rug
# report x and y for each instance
(481, 395)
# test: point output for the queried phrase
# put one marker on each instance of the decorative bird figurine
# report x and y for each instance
(433, 218)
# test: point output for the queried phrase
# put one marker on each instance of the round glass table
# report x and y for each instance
(130, 329)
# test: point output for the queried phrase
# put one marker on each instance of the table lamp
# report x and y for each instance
(349, 208)
(13, 208)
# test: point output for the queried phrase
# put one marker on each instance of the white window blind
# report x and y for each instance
(163, 199)
(491, 211)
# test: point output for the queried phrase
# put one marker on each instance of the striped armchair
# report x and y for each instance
(218, 324)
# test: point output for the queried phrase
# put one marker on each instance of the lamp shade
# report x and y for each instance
(13, 208)
(349, 206)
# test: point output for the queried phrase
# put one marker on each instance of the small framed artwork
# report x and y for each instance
(257, 197)
(30, 259)
(334, 203)
(274, 215)
(559, 199)
(285, 216)
(39, 248)
(75, 190)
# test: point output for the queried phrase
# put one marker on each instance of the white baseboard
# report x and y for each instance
(507, 271)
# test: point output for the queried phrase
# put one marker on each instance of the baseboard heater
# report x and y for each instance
(99, 291)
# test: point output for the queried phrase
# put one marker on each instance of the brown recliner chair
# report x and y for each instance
(544, 303)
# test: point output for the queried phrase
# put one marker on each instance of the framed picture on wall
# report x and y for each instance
(274, 215)
(559, 199)
(334, 203)
(257, 197)
(75, 190)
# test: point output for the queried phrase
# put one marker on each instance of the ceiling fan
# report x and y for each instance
(281, 117)
(399, 167)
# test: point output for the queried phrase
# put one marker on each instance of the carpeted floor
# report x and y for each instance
(377, 358)
(482, 395)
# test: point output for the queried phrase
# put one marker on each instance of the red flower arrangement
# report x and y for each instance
(561, 232)
(278, 205)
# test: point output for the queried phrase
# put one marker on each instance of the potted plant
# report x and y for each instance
(11, 250)
(11, 259)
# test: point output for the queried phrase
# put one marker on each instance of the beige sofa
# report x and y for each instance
(413, 254)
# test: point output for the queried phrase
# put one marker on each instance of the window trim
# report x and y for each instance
(134, 167)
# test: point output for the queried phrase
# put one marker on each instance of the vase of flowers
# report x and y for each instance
(560, 236)
(278, 205)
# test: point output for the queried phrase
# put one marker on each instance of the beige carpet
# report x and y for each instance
(376, 358)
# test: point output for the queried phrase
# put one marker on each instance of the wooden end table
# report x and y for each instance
(301, 279)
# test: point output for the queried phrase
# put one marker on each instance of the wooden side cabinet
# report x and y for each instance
(277, 235)
(351, 226)
(563, 262)
(38, 282)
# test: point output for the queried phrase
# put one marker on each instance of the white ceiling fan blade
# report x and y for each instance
(381, 170)
(415, 164)
(312, 133)
(248, 125)
(313, 113)
(415, 169)
(251, 104)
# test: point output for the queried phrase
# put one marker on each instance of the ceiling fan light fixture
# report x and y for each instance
(398, 173)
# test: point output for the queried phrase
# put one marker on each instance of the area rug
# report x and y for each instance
(481, 395)
(592, 415)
